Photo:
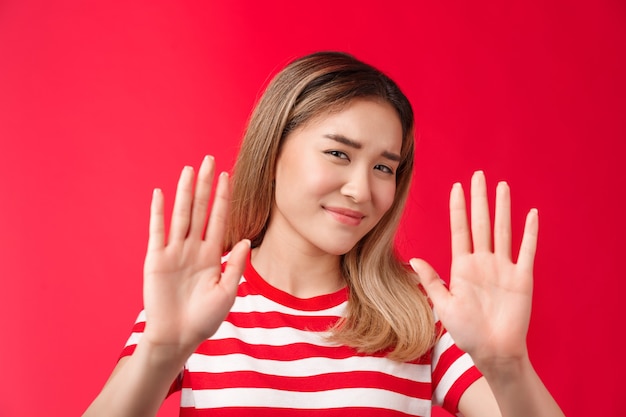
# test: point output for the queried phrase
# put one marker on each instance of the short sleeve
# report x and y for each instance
(453, 371)
(137, 331)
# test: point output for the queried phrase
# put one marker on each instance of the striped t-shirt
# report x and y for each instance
(270, 357)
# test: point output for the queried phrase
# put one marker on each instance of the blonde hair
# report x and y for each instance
(387, 312)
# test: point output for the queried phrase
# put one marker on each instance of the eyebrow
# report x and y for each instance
(356, 145)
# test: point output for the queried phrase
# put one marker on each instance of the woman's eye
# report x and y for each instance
(338, 154)
(384, 168)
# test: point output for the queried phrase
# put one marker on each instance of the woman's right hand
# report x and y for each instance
(186, 294)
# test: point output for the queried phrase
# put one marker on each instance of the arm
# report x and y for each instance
(186, 295)
(521, 393)
(487, 308)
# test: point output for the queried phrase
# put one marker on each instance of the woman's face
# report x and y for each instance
(336, 177)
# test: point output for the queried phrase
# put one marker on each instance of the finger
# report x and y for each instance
(182, 205)
(481, 226)
(459, 230)
(502, 221)
(528, 248)
(156, 237)
(429, 279)
(219, 216)
(201, 198)
(235, 266)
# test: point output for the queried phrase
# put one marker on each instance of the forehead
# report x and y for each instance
(370, 121)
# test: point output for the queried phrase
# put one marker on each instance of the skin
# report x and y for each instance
(487, 308)
(186, 296)
(336, 162)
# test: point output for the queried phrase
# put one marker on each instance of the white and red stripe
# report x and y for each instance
(271, 357)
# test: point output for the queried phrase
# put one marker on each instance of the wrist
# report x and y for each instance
(503, 369)
(517, 388)
(167, 357)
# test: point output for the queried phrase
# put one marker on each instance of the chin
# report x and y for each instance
(338, 249)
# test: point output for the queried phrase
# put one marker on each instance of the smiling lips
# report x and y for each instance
(345, 216)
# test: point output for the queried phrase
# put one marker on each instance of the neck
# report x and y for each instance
(301, 274)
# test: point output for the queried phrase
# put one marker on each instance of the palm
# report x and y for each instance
(186, 294)
(489, 311)
(487, 307)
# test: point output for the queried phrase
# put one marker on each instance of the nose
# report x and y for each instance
(357, 186)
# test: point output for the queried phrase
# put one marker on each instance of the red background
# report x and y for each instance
(102, 101)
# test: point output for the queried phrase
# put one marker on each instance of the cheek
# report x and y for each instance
(314, 177)
(386, 196)
(322, 181)
(305, 177)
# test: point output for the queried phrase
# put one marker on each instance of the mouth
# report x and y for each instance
(345, 216)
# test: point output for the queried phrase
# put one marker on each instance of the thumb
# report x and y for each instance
(436, 290)
(235, 266)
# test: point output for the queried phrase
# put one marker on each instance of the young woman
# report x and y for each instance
(310, 311)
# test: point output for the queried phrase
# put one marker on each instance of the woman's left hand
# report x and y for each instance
(487, 307)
